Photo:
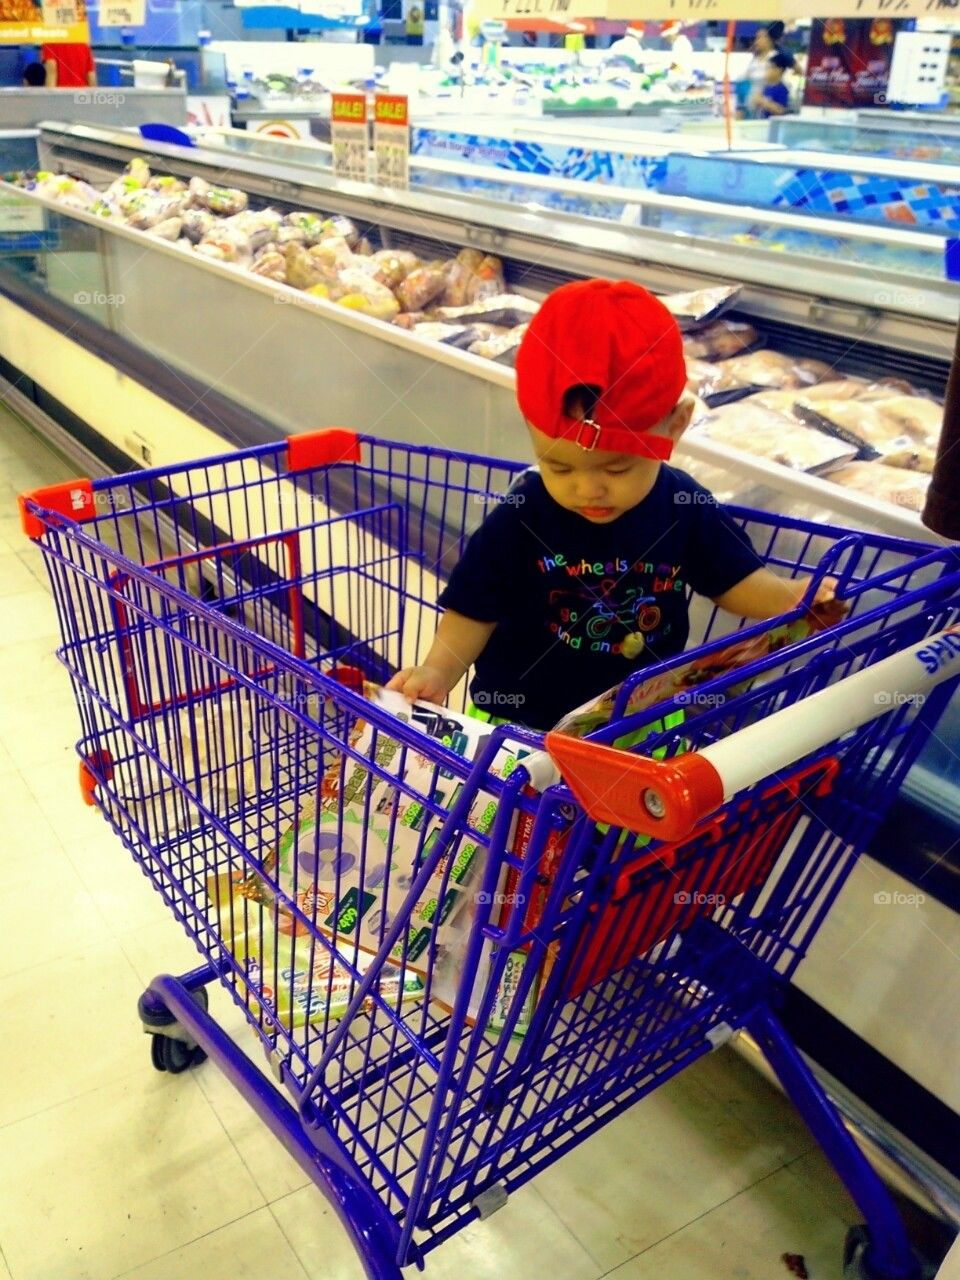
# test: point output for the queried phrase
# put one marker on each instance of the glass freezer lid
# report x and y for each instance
(893, 251)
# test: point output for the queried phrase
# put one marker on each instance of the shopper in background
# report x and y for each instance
(581, 575)
(69, 66)
(773, 99)
(766, 43)
(628, 49)
(680, 45)
(35, 75)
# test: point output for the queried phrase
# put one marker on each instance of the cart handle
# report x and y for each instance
(668, 798)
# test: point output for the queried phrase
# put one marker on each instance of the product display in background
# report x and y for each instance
(849, 62)
(464, 301)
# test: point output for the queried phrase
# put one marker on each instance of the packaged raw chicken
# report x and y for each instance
(767, 434)
(486, 281)
(259, 227)
(509, 310)
(143, 209)
(701, 306)
(904, 489)
(417, 290)
(410, 319)
(774, 369)
(166, 184)
(710, 379)
(226, 246)
(502, 349)
(394, 265)
(894, 436)
(720, 340)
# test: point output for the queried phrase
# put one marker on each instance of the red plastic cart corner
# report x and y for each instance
(72, 498)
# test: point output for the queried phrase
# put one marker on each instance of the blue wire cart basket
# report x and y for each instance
(465, 948)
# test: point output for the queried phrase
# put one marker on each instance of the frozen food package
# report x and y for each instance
(920, 417)
(451, 334)
(767, 434)
(417, 290)
(197, 223)
(874, 432)
(502, 349)
(904, 489)
(260, 227)
(290, 235)
(700, 307)
(225, 245)
(385, 832)
(361, 292)
(509, 310)
(304, 270)
(333, 252)
(221, 200)
(707, 378)
(459, 272)
(721, 340)
(774, 369)
(341, 227)
(486, 281)
(308, 224)
(166, 184)
(271, 263)
(169, 229)
(394, 265)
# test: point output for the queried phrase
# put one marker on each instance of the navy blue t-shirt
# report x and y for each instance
(778, 93)
(579, 606)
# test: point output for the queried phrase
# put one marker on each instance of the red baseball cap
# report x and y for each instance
(617, 337)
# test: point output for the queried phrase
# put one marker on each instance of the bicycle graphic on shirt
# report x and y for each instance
(637, 616)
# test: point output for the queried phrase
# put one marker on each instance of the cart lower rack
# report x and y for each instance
(463, 948)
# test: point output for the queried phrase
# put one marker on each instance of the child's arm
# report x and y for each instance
(456, 646)
(763, 594)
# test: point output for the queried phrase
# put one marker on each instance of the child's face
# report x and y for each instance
(774, 74)
(596, 484)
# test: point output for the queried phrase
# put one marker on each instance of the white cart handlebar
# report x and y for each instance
(667, 798)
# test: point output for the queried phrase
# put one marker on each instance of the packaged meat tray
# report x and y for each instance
(721, 340)
(775, 370)
(764, 433)
(900, 430)
(904, 489)
(700, 306)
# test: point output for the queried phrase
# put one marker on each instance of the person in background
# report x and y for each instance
(765, 44)
(69, 66)
(628, 49)
(774, 98)
(35, 75)
(679, 45)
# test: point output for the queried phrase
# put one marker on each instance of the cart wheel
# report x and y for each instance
(855, 1267)
(174, 1056)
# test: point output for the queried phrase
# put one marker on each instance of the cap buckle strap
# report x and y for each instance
(594, 441)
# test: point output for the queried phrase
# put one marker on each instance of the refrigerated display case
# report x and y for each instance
(291, 362)
(932, 137)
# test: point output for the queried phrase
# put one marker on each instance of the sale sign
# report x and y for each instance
(391, 139)
(348, 135)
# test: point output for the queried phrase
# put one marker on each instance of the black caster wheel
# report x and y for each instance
(856, 1249)
(174, 1056)
(166, 1053)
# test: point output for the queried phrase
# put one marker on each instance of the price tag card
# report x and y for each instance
(391, 140)
(122, 13)
(348, 135)
(60, 13)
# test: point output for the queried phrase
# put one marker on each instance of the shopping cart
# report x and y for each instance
(460, 968)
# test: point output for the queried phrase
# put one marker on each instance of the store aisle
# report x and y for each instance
(110, 1170)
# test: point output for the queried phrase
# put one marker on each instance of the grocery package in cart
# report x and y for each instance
(464, 947)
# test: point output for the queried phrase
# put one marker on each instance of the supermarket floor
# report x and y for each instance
(108, 1169)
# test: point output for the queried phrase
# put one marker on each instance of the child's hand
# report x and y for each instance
(826, 609)
(420, 682)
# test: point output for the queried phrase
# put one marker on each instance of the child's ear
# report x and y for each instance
(676, 422)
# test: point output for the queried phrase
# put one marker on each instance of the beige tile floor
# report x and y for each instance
(109, 1170)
